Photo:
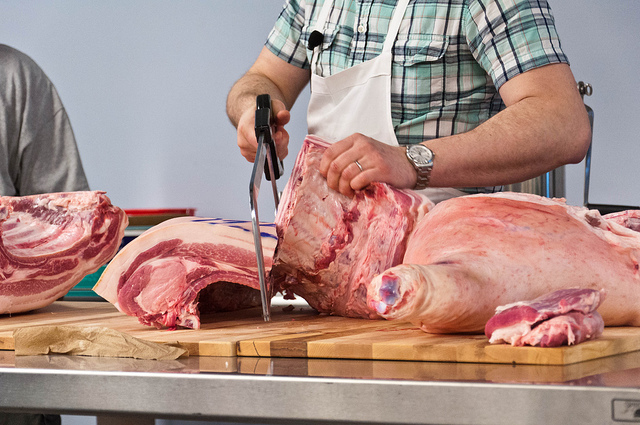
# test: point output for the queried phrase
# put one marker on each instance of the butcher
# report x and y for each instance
(446, 97)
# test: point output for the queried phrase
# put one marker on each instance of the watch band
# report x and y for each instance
(423, 181)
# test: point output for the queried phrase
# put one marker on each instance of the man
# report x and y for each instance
(38, 152)
(482, 85)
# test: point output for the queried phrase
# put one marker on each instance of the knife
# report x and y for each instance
(266, 162)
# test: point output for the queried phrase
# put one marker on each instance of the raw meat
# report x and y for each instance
(49, 242)
(184, 266)
(566, 329)
(566, 316)
(474, 253)
(629, 219)
(330, 245)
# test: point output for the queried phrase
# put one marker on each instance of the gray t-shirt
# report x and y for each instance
(38, 151)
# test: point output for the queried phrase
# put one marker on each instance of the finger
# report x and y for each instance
(281, 137)
(363, 179)
(282, 117)
(345, 185)
(277, 106)
(333, 153)
(334, 173)
(248, 153)
(246, 136)
(248, 146)
(341, 171)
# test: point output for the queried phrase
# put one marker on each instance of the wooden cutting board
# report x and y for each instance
(304, 333)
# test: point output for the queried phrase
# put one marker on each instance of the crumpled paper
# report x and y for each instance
(89, 341)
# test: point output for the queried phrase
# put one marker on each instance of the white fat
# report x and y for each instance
(510, 334)
(571, 337)
(502, 308)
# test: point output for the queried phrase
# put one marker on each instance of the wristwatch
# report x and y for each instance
(421, 157)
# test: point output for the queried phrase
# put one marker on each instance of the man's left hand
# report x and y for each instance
(380, 162)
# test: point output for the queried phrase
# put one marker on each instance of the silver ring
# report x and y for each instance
(359, 166)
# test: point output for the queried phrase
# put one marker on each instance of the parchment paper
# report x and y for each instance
(89, 341)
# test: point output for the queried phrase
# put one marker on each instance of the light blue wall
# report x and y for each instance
(602, 39)
(145, 82)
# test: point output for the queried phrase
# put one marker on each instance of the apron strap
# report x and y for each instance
(319, 26)
(389, 41)
(394, 26)
(323, 16)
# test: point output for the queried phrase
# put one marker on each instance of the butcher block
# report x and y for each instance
(299, 331)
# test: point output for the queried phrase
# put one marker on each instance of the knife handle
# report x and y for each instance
(263, 125)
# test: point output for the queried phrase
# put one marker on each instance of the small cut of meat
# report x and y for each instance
(176, 270)
(49, 242)
(330, 245)
(566, 329)
(563, 317)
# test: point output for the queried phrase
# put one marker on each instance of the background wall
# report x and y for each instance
(145, 83)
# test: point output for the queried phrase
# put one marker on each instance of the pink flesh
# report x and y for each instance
(160, 276)
(49, 242)
(472, 254)
(330, 245)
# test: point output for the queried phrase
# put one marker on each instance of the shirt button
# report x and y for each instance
(362, 29)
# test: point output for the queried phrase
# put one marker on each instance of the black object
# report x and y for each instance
(315, 39)
(608, 209)
(29, 419)
(263, 123)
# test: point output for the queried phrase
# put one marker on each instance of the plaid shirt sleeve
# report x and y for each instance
(286, 39)
(509, 37)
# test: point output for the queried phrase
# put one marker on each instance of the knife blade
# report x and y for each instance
(266, 162)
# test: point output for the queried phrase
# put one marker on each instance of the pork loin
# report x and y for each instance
(474, 253)
(170, 274)
(49, 242)
(331, 245)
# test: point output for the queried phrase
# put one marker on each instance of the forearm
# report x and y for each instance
(520, 143)
(242, 95)
(275, 77)
(539, 131)
(268, 75)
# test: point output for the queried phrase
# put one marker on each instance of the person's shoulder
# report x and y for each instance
(10, 55)
(13, 59)
(15, 62)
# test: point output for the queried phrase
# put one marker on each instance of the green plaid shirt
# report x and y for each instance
(449, 59)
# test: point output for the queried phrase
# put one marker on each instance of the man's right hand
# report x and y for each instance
(247, 136)
(268, 75)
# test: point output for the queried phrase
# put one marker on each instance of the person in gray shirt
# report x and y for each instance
(38, 151)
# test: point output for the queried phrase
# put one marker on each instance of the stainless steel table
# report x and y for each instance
(317, 391)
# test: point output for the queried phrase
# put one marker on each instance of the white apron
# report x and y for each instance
(358, 99)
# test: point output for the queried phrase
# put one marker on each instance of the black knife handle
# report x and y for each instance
(263, 125)
(263, 101)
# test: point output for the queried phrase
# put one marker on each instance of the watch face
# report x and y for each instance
(421, 155)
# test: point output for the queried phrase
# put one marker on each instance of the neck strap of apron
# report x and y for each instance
(392, 33)
(394, 26)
